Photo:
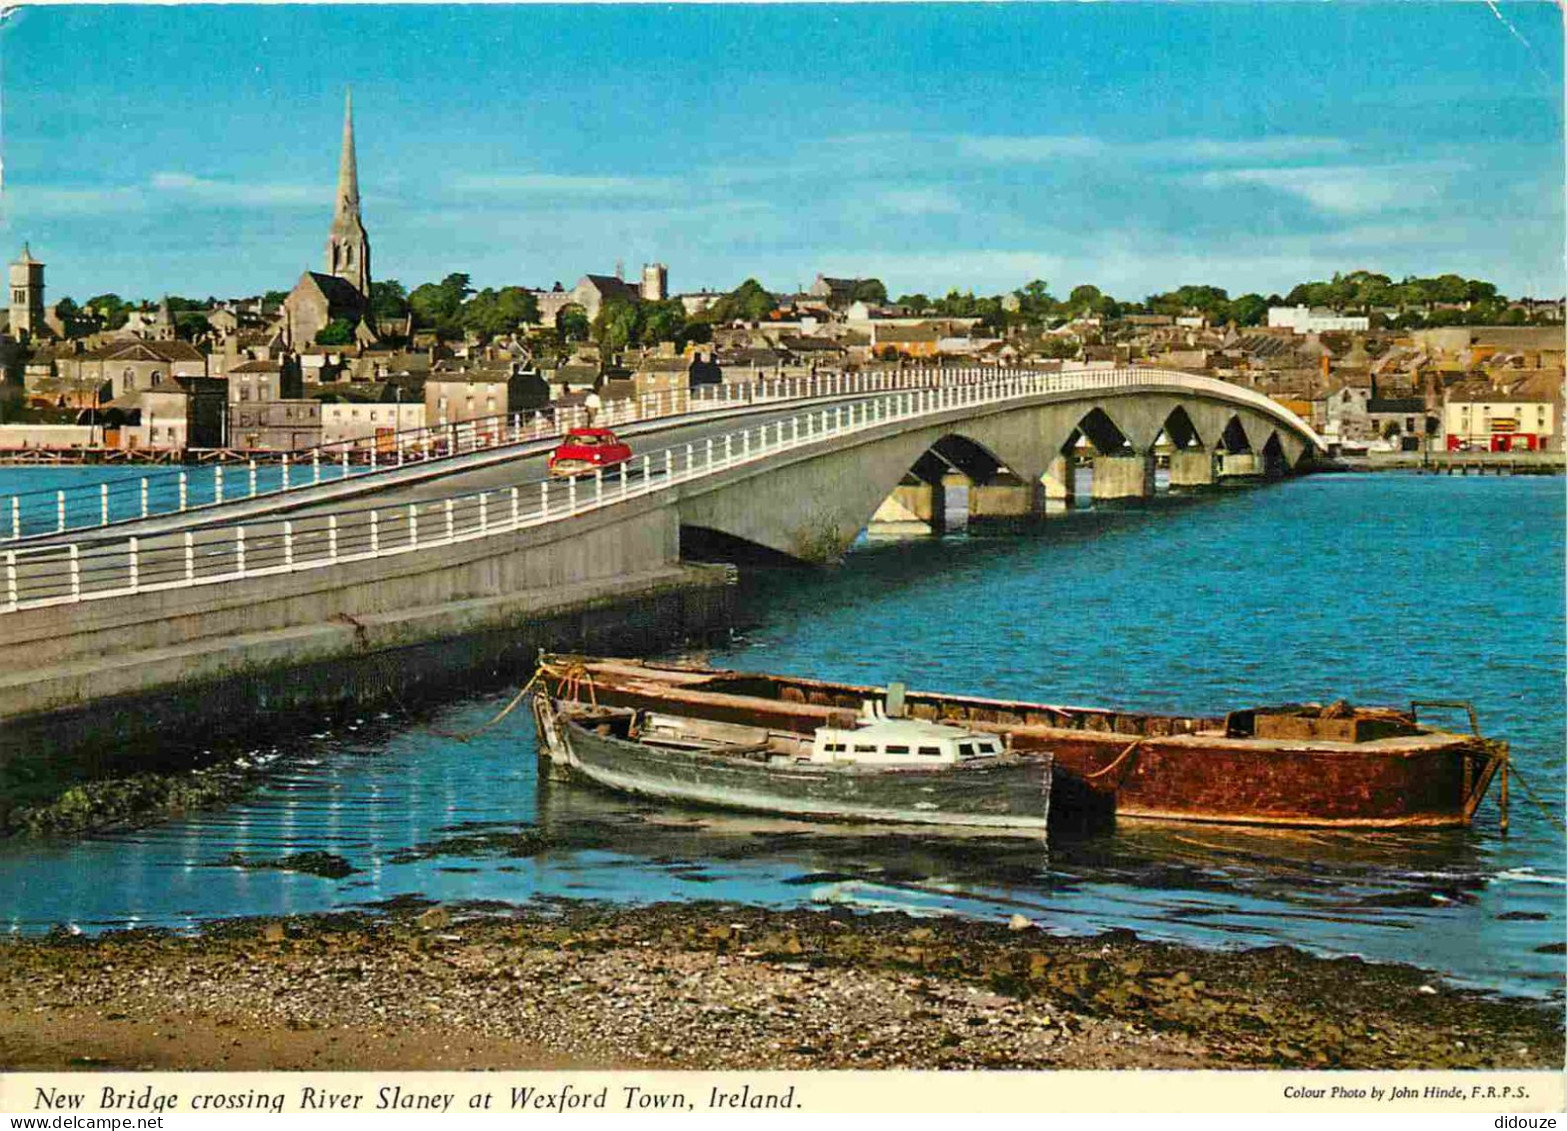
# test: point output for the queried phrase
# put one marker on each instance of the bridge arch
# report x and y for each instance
(812, 503)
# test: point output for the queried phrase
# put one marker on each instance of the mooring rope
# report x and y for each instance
(1122, 757)
(506, 710)
(1550, 814)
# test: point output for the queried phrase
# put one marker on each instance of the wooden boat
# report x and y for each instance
(1296, 765)
(876, 769)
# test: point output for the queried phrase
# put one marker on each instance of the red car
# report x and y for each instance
(585, 449)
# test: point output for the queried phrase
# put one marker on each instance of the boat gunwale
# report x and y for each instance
(856, 769)
(1429, 742)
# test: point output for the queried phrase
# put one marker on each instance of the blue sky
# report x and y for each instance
(1135, 146)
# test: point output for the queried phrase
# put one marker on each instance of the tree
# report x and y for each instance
(76, 322)
(111, 309)
(338, 332)
(1248, 310)
(663, 322)
(916, 302)
(869, 290)
(696, 331)
(273, 299)
(572, 323)
(1212, 302)
(438, 305)
(388, 301)
(617, 324)
(749, 302)
(190, 323)
(518, 304)
(1035, 303)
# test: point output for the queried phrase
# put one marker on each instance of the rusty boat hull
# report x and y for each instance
(1285, 767)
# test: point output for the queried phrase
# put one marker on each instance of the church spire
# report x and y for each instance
(348, 166)
(348, 246)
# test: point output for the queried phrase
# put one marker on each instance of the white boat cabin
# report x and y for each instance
(902, 742)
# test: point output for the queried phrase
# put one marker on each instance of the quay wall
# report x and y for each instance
(261, 687)
(103, 675)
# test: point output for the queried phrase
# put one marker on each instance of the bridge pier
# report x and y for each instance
(1240, 465)
(912, 508)
(1124, 476)
(1059, 483)
(1191, 468)
(1004, 500)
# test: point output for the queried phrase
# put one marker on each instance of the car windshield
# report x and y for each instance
(586, 441)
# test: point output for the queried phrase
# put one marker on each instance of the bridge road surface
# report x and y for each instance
(297, 533)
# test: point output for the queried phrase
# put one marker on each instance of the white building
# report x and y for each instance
(341, 422)
(1314, 320)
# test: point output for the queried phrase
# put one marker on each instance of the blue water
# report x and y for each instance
(1373, 588)
(31, 497)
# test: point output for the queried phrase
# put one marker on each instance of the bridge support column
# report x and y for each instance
(1059, 484)
(1240, 465)
(912, 508)
(1191, 468)
(1124, 476)
(1006, 501)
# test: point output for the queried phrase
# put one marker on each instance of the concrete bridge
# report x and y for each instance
(238, 605)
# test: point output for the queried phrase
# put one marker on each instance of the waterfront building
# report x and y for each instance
(455, 395)
(359, 421)
(265, 379)
(279, 425)
(1479, 418)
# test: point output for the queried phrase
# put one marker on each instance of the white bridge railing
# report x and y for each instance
(263, 474)
(60, 573)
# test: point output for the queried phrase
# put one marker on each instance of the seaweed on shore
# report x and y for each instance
(140, 799)
(479, 841)
(327, 865)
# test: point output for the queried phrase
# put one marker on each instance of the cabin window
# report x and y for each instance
(966, 749)
(862, 749)
(834, 748)
(933, 751)
(897, 750)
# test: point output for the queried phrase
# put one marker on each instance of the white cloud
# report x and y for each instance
(920, 201)
(46, 201)
(1207, 150)
(248, 194)
(1024, 149)
(563, 185)
(1345, 189)
(1175, 150)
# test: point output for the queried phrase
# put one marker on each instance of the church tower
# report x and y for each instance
(348, 247)
(27, 296)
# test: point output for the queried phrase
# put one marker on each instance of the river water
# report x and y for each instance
(1377, 589)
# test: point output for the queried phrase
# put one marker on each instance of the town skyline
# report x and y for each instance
(924, 201)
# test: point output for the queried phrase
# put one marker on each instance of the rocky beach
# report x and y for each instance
(718, 986)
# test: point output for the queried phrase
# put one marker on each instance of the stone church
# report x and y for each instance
(343, 290)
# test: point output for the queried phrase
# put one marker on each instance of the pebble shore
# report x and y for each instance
(712, 986)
